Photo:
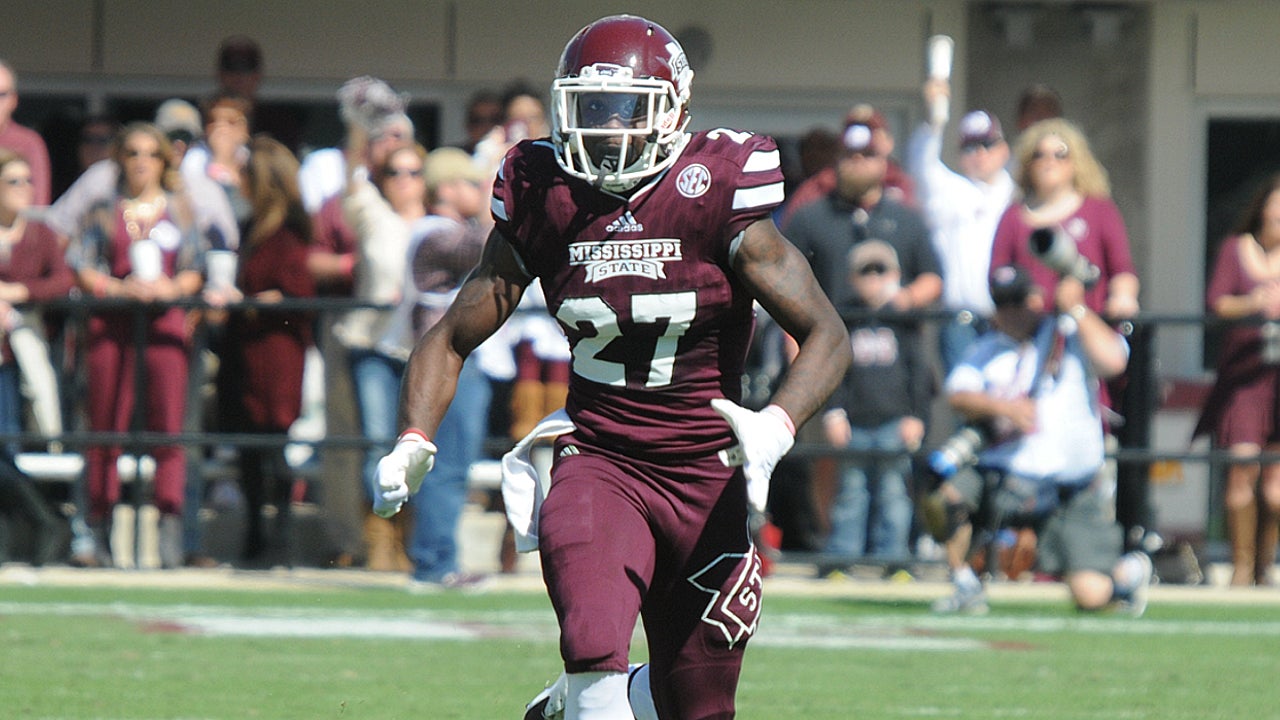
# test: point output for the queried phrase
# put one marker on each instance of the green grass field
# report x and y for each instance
(378, 652)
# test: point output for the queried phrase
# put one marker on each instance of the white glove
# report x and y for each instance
(401, 472)
(764, 437)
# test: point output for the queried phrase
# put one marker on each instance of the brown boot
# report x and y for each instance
(555, 394)
(403, 522)
(527, 402)
(380, 544)
(1242, 529)
(1268, 537)
(507, 556)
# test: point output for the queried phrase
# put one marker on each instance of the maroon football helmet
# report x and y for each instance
(619, 102)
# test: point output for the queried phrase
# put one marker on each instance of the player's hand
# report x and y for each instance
(401, 471)
(764, 437)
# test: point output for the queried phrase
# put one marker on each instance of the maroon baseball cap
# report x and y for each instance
(980, 127)
(865, 114)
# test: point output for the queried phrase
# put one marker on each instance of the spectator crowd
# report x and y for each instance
(188, 228)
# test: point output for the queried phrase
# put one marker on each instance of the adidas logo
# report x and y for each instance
(626, 223)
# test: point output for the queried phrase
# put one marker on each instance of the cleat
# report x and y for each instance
(549, 704)
(1136, 604)
(963, 601)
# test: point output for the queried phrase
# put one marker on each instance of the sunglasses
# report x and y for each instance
(873, 268)
(1061, 153)
(489, 120)
(133, 154)
(403, 172)
(976, 145)
(865, 154)
(17, 181)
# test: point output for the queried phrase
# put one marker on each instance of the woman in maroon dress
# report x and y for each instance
(139, 245)
(263, 369)
(1242, 408)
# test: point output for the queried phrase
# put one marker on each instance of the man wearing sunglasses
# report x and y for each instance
(861, 208)
(962, 207)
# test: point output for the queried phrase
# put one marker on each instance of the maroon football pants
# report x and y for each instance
(620, 538)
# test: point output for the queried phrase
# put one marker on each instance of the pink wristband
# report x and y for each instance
(777, 411)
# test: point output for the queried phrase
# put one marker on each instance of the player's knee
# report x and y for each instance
(957, 516)
(586, 651)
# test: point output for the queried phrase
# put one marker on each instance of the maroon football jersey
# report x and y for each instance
(642, 285)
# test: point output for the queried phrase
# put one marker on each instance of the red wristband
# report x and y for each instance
(347, 264)
(413, 431)
(777, 411)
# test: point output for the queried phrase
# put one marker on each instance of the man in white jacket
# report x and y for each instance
(962, 209)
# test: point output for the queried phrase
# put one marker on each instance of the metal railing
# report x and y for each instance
(1134, 455)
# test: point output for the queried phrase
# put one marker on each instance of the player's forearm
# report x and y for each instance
(430, 380)
(824, 355)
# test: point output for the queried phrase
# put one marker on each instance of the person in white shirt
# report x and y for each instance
(1030, 389)
(962, 207)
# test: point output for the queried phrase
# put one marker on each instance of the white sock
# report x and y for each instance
(640, 693)
(597, 696)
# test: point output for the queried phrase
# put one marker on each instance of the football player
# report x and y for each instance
(652, 244)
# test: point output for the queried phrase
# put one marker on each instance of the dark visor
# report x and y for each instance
(597, 109)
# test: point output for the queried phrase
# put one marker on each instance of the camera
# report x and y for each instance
(959, 450)
(1057, 250)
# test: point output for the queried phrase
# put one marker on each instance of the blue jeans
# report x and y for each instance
(438, 505)
(375, 378)
(10, 406)
(956, 335)
(873, 497)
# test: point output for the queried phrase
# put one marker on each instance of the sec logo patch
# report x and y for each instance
(694, 181)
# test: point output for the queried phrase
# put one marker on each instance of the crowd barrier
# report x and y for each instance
(55, 457)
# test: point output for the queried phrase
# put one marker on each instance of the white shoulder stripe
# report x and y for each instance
(496, 206)
(761, 161)
(771, 194)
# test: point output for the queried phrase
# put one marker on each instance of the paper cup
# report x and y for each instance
(220, 269)
(144, 255)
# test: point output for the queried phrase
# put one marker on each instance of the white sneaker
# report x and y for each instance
(549, 704)
(970, 601)
(1140, 571)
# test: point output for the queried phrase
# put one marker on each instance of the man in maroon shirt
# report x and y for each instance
(23, 140)
(652, 245)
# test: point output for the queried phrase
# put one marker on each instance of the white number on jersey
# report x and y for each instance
(677, 309)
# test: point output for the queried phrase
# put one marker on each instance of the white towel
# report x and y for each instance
(522, 487)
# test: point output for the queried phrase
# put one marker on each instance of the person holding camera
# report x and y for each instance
(1029, 389)
(1067, 224)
